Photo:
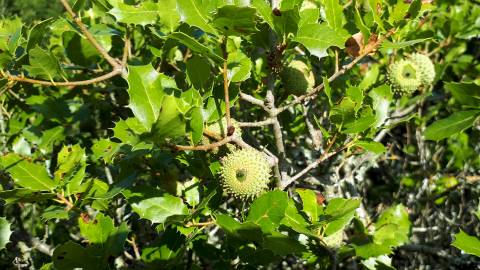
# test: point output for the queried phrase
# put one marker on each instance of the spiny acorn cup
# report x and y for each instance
(297, 78)
(245, 173)
(404, 77)
(426, 67)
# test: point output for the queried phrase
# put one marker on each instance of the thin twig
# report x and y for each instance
(78, 21)
(253, 100)
(326, 155)
(230, 128)
(74, 83)
(256, 124)
(205, 147)
(126, 48)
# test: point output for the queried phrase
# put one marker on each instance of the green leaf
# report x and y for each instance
(71, 168)
(71, 255)
(196, 46)
(98, 230)
(339, 212)
(234, 20)
(24, 195)
(54, 212)
(199, 71)
(371, 146)
(294, 220)
(239, 67)
(376, 7)
(366, 120)
(43, 64)
(264, 11)
(170, 123)
(5, 232)
(10, 34)
(455, 123)
(196, 124)
(197, 13)
(317, 38)
(159, 209)
(465, 93)
(309, 16)
(381, 96)
(282, 245)
(310, 204)
(168, 13)
(268, 210)
(146, 93)
(287, 23)
(143, 13)
(50, 137)
(37, 33)
(27, 174)
(334, 13)
(392, 227)
(467, 243)
(371, 250)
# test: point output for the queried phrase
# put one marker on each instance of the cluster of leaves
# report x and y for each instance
(103, 130)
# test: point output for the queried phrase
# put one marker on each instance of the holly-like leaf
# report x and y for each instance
(27, 174)
(239, 67)
(234, 20)
(339, 212)
(168, 13)
(143, 13)
(317, 38)
(268, 210)
(43, 64)
(159, 209)
(310, 204)
(197, 13)
(146, 93)
(71, 168)
(455, 123)
(393, 226)
(467, 243)
(196, 46)
(170, 123)
(334, 13)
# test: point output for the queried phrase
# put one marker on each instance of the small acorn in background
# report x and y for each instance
(407, 75)
(404, 77)
(245, 173)
(297, 78)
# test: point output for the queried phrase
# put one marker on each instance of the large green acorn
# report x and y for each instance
(426, 67)
(297, 78)
(404, 77)
(245, 173)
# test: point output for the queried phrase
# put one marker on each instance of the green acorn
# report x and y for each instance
(245, 173)
(404, 77)
(426, 67)
(297, 78)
